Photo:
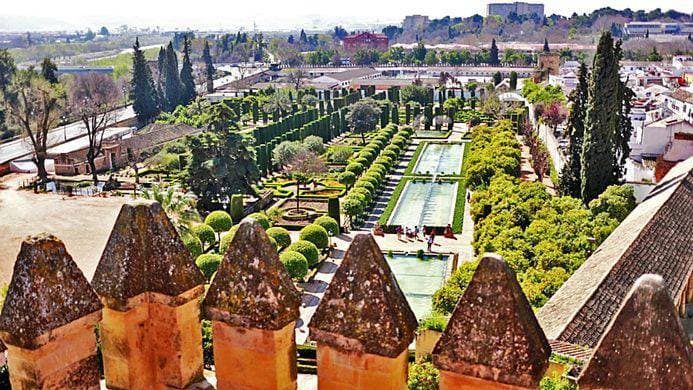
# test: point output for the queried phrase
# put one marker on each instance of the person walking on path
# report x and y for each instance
(430, 240)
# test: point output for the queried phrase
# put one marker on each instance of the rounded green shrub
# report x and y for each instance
(274, 243)
(307, 249)
(362, 161)
(354, 167)
(385, 161)
(347, 178)
(225, 241)
(389, 154)
(295, 263)
(353, 204)
(362, 183)
(208, 264)
(315, 234)
(205, 233)
(367, 195)
(280, 235)
(328, 223)
(261, 219)
(393, 148)
(219, 220)
(380, 168)
(193, 244)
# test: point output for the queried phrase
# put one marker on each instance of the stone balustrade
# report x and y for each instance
(148, 298)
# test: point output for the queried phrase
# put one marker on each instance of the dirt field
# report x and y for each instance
(84, 224)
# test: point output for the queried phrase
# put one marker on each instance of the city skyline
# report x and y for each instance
(312, 14)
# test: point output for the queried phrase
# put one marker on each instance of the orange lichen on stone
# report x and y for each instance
(48, 320)
(252, 288)
(493, 333)
(253, 306)
(251, 358)
(149, 283)
(363, 309)
(644, 346)
(355, 370)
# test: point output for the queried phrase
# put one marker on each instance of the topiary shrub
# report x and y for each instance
(295, 263)
(208, 264)
(315, 144)
(205, 233)
(361, 161)
(365, 192)
(225, 241)
(274, 243)
(356, 168)
(391, 154)
(261, 219)
(307, 249)
(236, 207)
(193, 244)
(347, 178)
(219, 220)
(328, 223)
(280, 235)
(363, 183)
(316, 234)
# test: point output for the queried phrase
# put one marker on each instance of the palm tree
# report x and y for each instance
(278, 103)
(179, 207)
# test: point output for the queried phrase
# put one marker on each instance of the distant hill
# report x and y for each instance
(33, 23)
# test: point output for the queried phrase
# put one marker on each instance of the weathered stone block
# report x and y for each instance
(354, 370)
(452, 381)
(251, 358)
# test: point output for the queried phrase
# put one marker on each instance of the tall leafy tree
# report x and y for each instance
(35, 106)
(570, 181)
(187, 80)
(172, 84)
(603, 143)
(209, 68)
(94, 97)
(48, 70)
(363, 116)
(142, 89)
(493, 53)
(222, 162)
(625, 129)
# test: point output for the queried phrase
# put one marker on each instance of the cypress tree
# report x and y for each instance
(625, 129)
(570, 180)
(209, 67)
(546, 46)
(172, 85)
(513, 80)
(186, 76)
(48, 70)
(142, 89)
(602, 141)
(493, 53)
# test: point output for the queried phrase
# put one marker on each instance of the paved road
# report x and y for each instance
(19, 148)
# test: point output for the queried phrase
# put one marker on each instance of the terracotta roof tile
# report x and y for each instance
(144, 254)
(644, 344)
(493, 333)
(47, 291)
(252, 288)
(363, 309)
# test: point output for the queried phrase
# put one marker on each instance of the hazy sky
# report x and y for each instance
(272, 14)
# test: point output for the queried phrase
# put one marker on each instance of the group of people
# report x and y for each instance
(413, 233)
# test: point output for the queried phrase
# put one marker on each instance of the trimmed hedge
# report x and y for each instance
(280, 235)
(192, 243)
(219, 220)
(328, 223)
(307, 249)
(295, 263)
(316, 234)
(205, 233)
(208, 264)
(225, 241)
(261, 219)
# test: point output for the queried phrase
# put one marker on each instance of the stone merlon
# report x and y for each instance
(364, 309)
(47, 291)
(144, 254)
(493, 334)
(645, 344)
(252, 288)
